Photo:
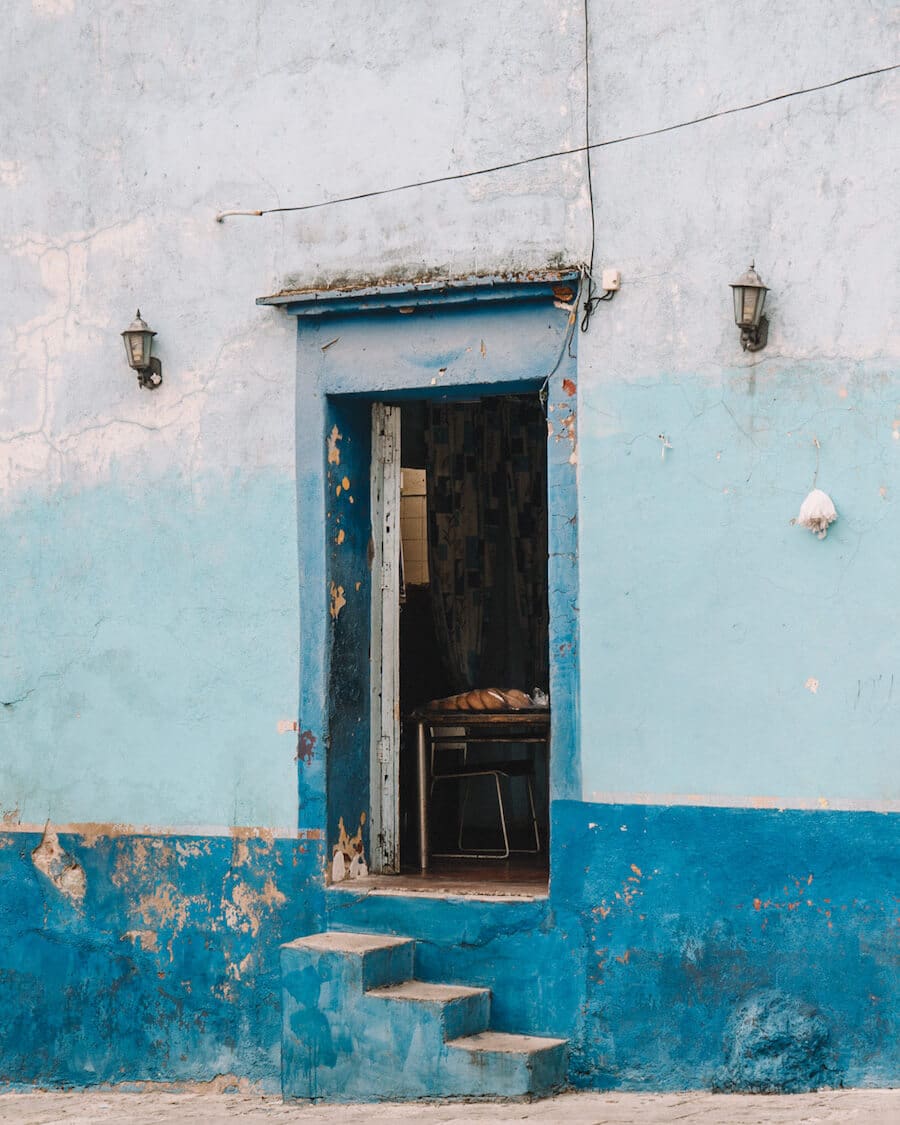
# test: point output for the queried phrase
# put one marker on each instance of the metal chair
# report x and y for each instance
(446, 739)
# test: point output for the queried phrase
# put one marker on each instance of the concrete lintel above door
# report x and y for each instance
(406, 296)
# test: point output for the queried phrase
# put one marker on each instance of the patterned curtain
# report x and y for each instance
(525, 462)
(487, 540)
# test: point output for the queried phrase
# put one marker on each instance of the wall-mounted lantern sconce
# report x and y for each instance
(138, 337)
(749, 298)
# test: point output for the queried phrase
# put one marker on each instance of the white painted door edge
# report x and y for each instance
(385, 641)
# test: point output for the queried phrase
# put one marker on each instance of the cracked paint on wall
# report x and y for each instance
(334, 448)
(61, 868)
(338, 601)
(184, 930)
(132, 527)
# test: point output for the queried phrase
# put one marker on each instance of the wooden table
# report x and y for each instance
(479, 728)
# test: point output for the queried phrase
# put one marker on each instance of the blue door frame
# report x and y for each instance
(446, 341)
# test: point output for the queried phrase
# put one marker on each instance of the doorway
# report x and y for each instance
(470, 338)
(460, 620)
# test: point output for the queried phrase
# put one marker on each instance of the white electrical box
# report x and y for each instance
(611, 281)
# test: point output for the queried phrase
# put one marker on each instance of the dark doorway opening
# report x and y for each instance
(473, 616)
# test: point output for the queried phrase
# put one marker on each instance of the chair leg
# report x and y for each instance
(504, 854)
(537, 832)
(534, 824)
(462, 813)
(502, 817)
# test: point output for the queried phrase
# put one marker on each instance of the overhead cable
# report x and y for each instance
(453, 176)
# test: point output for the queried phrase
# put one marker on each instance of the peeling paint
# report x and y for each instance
(306, 745)
(245, 907)
(350, 848)
(147, 940)
(241, 851)
(62, 869)
(338, 601)
(334, 450)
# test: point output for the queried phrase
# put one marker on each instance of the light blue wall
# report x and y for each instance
(175, 507)
(704, 613)
(150, 651)
(707, 614)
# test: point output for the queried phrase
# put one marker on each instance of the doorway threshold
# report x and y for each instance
(488, 882)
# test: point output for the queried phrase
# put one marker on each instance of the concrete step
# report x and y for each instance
(358, 1027)
(369, 960)
(519, 1064)
(458, 1009)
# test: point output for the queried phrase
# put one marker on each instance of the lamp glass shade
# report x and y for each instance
(749, 299)
(138, 338)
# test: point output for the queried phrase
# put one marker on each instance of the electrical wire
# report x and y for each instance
(544, 392)
(590, 300)
(454, 176)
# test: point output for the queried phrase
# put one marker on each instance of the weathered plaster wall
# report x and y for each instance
(150, 554)
(707, 619)
(135, 957)
(685, 947)
(150, 557)
(144, 617)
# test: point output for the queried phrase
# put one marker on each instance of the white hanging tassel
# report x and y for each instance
(817, 512)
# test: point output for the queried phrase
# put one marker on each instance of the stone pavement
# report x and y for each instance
(157, 1106)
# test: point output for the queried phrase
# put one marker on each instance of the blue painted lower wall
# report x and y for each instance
(680, 947)
(686, 947)
(167, 968)
(697, 922)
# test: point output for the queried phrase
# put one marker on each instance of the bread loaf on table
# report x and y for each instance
(484, 699)
(516, 699)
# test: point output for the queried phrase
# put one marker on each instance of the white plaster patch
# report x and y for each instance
(53, 8)
(812, 685)
(12, 173)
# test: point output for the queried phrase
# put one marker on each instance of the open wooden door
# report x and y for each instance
(385, 642)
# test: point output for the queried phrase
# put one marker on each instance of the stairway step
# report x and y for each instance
(357, 1026)
(506, 1041)
(461, 1010)
(337, 941)
(425, 990)
(372, 960)
(513, 1065)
